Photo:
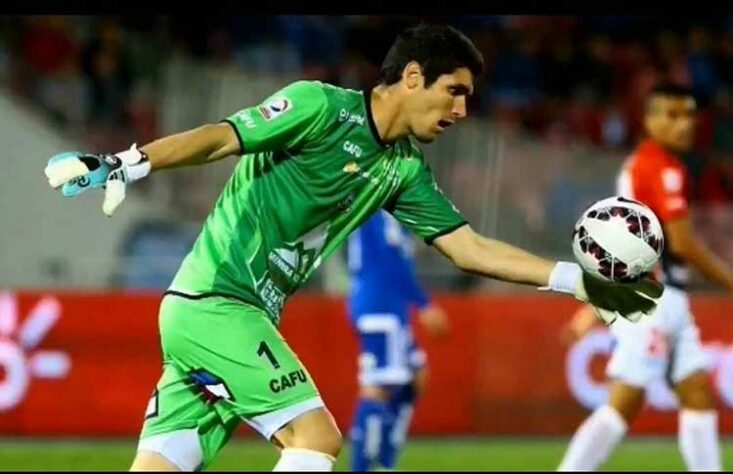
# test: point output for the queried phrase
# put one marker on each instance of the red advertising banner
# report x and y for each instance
(85, 364)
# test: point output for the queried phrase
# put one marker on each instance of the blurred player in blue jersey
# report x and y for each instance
(391, 366)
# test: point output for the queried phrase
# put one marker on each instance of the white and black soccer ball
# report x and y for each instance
(618, 239)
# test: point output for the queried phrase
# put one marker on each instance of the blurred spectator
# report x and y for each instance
(724, 61)
(515, 81)
(595, 69)
(559, 68)
(672, 57)
(702, 65)
(614, 130)
(49, 55)
(107, 70)
(563, 78)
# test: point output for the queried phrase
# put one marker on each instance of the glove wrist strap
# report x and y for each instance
(564, 277)
(138, 165)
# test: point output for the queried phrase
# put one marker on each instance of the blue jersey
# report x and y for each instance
(383, 288)
(380, 261)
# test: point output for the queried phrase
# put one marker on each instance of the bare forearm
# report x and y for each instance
(505, 262)
(198, 146)
(706, 262)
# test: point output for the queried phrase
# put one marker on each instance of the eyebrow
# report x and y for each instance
(461, 89)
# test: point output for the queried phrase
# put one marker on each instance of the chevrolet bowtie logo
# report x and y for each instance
(351, 167)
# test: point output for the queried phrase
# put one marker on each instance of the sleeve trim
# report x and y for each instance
(431, 238)
(236, 132)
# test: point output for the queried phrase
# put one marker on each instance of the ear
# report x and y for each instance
(412, 75)
(648, 122)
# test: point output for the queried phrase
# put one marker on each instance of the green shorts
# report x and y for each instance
(224, 361)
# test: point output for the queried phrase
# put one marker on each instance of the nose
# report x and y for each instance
(459, 107)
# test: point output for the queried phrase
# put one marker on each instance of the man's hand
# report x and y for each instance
(75, 172)
(609, 299)
(434, 319)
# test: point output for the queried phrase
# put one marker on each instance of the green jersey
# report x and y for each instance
(313, 169)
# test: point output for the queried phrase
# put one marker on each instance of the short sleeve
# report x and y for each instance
(285, 120)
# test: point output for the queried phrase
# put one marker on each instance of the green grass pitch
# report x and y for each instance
(436, 454)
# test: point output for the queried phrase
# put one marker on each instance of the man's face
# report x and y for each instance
(671, 122)
(430, 111)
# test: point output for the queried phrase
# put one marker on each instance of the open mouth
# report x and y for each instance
(443, 124)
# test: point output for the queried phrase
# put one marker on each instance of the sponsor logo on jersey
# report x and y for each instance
(675, 202)
(672, 180)
(352, 149)
(246, 118)
(273, 298)
(276, 107)
(346, 116)
(391, 177)
(285, 382)
(289, 265)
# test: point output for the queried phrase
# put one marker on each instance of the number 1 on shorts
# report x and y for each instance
(265, 350)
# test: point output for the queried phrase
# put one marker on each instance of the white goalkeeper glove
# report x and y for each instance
(609, 299)
(75, 172)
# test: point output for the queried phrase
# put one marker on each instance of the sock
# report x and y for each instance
(396, 425)
(698, 439)
(298, 459)
(366, 433)
(594, 440)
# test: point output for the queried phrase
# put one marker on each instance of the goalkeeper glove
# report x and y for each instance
(609, 299)
(76, 172)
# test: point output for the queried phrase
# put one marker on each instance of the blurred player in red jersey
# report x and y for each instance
(666, 344)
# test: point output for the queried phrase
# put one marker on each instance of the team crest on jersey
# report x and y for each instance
(345, 204)
(274, 108)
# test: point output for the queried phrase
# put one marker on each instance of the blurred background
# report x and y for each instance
(550, 124)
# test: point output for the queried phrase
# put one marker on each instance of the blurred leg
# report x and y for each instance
(596, 438)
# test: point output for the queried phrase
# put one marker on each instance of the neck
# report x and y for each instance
(386, 106)
(666, 148)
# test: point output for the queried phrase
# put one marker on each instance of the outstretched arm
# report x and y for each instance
(202, 145)
(291, 117)
(477, 254)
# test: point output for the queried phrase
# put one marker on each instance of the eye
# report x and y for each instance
(458, 90)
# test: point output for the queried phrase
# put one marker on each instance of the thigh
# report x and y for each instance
(688, 356)
(181, 424)
(314, 429)
(640, 354)
(233, 358)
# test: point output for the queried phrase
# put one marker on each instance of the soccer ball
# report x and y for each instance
(618, 239)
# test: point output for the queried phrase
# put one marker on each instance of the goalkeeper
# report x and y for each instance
(317, 161)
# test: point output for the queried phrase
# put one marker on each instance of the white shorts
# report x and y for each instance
(183, 448)
(665, 345)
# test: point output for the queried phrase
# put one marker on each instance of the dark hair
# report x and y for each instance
(439, 49)
(667, 89)
(671, 89)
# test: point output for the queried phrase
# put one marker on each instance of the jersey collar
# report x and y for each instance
(650, 146)
(370, 118)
